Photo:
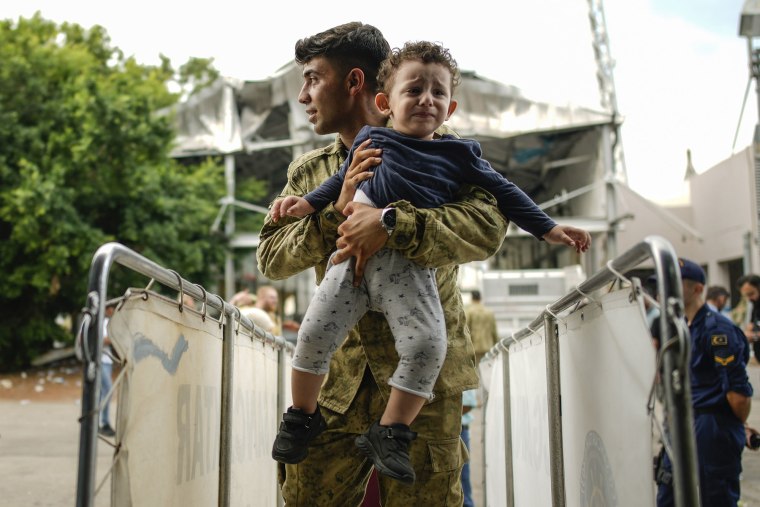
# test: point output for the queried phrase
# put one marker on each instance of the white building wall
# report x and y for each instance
(722, 211)
(723, 204)
(648, 218)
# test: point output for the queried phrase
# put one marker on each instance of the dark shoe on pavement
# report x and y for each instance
(388, 448)
(107, 431)
(296, 431)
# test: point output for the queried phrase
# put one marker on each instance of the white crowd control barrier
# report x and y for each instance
(568, 414)
(169, 404)
(198, 396)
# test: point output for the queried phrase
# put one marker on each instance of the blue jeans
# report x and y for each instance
(466, 486)
(105, 387)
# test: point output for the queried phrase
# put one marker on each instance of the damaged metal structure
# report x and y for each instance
(560, 155)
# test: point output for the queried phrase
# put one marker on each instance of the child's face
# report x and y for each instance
(420, 98)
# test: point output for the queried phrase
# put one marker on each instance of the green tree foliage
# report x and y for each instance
(83, 161)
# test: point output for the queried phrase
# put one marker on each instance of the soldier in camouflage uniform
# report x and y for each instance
(339, 88)
(481, 322)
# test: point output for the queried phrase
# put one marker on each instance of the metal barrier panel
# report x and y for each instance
(578, 391)
(530, 426)
(607, 366)
(255, 414)
(494, 442)
(168, 410)
(198, 398)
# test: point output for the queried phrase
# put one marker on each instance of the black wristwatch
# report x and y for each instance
(388, 220)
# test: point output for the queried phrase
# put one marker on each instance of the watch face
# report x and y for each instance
(389, 218)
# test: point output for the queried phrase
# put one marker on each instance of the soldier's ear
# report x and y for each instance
(355, 80)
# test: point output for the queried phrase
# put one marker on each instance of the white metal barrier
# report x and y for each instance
(568, 404)
(199, 394)
(565, 414)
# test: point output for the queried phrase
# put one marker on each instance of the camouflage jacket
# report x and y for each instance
(468, 230)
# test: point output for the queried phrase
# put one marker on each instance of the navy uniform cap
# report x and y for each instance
(691, 271)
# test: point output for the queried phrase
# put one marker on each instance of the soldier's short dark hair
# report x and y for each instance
(475, 295)
(348, 46)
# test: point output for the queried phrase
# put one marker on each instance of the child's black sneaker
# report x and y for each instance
(388, 448)
(297, 429)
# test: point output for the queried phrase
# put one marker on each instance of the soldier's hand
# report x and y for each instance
(360, 236)
(570, 236)
(364, 158)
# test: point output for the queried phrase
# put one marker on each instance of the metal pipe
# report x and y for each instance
(554, 410)
(508, 458)
(225, 434)
(229, 227)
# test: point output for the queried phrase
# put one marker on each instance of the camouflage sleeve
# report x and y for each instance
(469, 229)
(293, 245)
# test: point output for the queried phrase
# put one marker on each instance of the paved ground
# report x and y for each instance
(751, 459)
(39, 442)
(39, 439)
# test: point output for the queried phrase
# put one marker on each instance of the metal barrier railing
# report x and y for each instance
(673, 355)
(115, 253)
(673, 361)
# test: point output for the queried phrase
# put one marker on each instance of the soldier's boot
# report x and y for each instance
(388, 448)
(297, 429)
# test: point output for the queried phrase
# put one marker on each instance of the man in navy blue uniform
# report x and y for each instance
(721, 396)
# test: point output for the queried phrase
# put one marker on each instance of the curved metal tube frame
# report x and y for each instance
(105, 257)
(674, 370)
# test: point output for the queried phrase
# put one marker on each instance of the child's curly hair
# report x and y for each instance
(422, 51)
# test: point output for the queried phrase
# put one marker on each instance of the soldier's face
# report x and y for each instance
(750, 292)
(325, 95)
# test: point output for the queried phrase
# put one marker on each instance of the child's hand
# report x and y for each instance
(291, 205)
(573, 237)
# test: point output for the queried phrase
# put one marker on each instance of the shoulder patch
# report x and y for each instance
(724, 361)
(719, 340)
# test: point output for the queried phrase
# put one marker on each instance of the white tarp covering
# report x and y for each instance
(496, 484)
(607, 365)
(255, 417)
(169, 405)
(232, 114)
(530, 422)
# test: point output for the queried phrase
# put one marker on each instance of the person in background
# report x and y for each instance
(721, 397)
(481, 322)
(749, 287)
(188, 301)
(717, 298)
(652, 309)
(469, 401)
(106, 380)
(267, 300)
(246, 302)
